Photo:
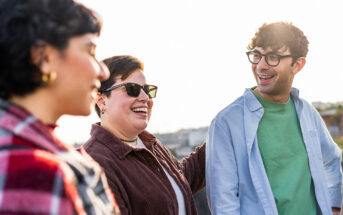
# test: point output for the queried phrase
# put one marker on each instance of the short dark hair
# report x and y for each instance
(279, 34)
(26, 23)
(123, 66)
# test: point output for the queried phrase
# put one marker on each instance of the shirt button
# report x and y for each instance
(158, 169)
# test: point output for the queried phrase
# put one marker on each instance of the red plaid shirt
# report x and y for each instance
(33, 180)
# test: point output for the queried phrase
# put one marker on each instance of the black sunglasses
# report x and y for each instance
(133, 89)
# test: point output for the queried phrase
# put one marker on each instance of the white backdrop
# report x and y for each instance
(194, 51)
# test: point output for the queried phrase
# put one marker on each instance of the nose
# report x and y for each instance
(104, 72)
(262, 65)
(143, 96)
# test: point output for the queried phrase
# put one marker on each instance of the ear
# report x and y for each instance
(299, 64)
(100, 101)
(41, 56)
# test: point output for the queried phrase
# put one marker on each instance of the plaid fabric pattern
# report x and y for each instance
(41, 175)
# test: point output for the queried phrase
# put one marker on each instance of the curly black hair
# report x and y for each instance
(119, 66)
(279, 34)
(25, 24)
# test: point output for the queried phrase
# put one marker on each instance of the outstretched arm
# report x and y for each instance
(194, 168)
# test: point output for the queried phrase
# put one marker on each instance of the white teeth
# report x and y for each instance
(144, 110)
(264, 76)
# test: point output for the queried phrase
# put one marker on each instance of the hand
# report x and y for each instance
(336, 211)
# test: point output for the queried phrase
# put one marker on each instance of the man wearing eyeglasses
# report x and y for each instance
(269, 152)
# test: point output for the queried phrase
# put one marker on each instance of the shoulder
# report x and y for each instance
(157, 146)
(305, 103)
(233, 111)
(40, 168)
(109, 155)
(151, 141)
(301, 102)
(307, 107)
(99, 152)
(102, 142)
(30, 158)
(46, 177)
(97, 147)
(93, 145)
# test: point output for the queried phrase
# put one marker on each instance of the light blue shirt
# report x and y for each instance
(236, 181)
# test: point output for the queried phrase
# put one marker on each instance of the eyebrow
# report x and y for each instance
(268, 53)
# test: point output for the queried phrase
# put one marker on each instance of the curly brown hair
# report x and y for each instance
(279, 34)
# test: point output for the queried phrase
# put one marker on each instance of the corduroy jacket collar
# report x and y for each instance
(117, 146)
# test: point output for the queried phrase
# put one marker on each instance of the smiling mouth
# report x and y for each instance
(94, 92)
(140, 110)
(264, 76)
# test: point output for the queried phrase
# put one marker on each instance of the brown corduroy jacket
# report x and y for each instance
(136, 176)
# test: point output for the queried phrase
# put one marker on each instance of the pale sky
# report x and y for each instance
(194, 51)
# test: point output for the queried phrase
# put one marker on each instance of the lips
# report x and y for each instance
(140, 110)
(94, 91)
(97, 85)
(264, 77)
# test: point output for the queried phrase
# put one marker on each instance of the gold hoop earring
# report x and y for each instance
(49, 78)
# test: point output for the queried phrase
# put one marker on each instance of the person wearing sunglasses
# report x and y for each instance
(144, 177)
(48, 69)
(269, 152)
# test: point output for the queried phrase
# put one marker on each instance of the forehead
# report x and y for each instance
(88, 39)
(282, 50)
(136, 76)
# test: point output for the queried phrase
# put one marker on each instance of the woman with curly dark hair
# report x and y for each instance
(47, 69)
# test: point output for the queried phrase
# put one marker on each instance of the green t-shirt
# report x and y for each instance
(285, 158)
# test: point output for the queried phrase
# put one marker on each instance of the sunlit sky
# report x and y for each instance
(194, 51)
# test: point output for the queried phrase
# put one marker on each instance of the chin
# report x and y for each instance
(265, 90)
(86, 113)
(141, 127)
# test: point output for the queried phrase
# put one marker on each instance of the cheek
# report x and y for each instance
(84, 66)
(254, 71)
(88, 69)
(150, 104)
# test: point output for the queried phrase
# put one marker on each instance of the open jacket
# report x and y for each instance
(136, 175)
(237, 182)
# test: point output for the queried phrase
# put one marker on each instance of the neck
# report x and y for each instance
(129, 141)
(122, 134)
(280, 98)
(40, 104)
